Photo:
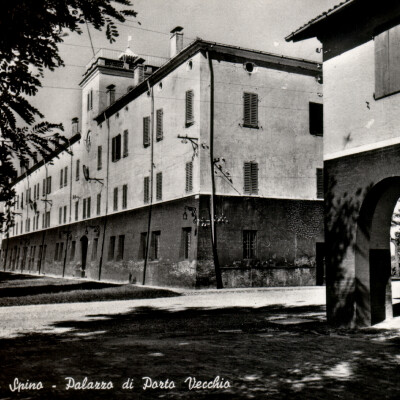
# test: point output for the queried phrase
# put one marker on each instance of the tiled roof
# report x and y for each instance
(319, 18)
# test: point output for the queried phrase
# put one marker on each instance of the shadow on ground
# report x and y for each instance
(271, 352)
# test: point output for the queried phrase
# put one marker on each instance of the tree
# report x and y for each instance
(29, 34)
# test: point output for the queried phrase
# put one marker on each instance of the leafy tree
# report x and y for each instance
(29, 34)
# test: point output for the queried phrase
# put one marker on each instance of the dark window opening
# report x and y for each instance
(249, 244)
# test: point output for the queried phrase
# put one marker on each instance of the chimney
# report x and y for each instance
(74, 126)
(176, 41)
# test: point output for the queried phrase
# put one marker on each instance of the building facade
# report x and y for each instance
(361, 154)
(216, 142)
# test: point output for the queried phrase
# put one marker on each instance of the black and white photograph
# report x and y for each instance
(199, 199)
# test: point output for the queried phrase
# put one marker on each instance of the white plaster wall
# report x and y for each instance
(354, 121)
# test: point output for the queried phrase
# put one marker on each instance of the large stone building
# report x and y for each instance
(217, 142)
(361, 50)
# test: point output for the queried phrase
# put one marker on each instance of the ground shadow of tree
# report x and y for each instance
(270, 352)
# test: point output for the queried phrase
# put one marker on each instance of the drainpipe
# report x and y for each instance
(107, 176)
(212, 198)
(151, 183)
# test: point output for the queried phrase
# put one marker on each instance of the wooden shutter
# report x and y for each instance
(247, 177)
(320, 183)
(84, 209)
(77, 169)
(65, 176)
(98, 204)
(48, 185)
(88, 207)
(316, 119)
(113, 149)
(250, 110)
(189, 176)
(146, 131)
(115, 199)
(99, 157)
(159, 129)
(189, 117)
(254, 178)
(65, 214)
(159, 186)
(394, 59)
(117, 147)
(126, 137)
(146, 189)
(61, 178)
(44, 187)
(60, 215)
(76, 210)
(124, 196)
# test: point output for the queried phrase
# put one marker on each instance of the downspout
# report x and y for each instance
(212, 198)
(107, 176)
(151, 183)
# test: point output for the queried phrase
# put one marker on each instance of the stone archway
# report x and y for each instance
(373, 297)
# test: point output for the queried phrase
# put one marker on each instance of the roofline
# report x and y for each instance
(307, 27)
(190, 51)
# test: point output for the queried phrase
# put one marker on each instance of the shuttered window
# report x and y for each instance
(89, 207)
(84, 209)
(60, 215)
(146, 131)
(250, 110)
(98, 208)
(115, 199)
(76, 210)
(316, 119)
(146, 196)
(116, 148)
(189, 115)
(387, 61)
(159, 127)
(44, 187)
(65, 176)
(126, 138)
(65, 214)
(48, 185)
(159, 186)
(250, 172)
(78, 165)
(99, 158)
(189, 177)
(61, 178)
(124, 196)
(320, 183)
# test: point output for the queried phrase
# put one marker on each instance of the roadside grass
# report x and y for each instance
(21, 290)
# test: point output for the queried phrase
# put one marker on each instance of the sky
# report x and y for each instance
(254, 24)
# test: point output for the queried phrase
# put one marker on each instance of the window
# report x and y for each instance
(159, 186)
(316, 119)
(76, 210)
(73, 248)
(77, 169)
(116, 148)
(189, 114)
(115, 199)
(48, 219)
(37, 220)
(189, 176)
(110, 94)
(126, 138)
(155, 242)
(111, 248)
(60, 215)
(88, 207)
(124, 196)
(56, 252)
(94, 248)
(387, 54)
(98, 208)
(22, 200)
(249, 244)
(320, 183)
(61, 178)
(34, 192)
(44, 187)
(146, 131)
(250, 178)
(61, 252)
(65, 176)
(38, 191)
(90, 100)
(22, 227)
(187, 239)
(250, 110)
(146, 195)
(121, 244)
(143, 244)
(65, 214)
(84, 209)
(99, 158)
(159, 125)
(48, 185)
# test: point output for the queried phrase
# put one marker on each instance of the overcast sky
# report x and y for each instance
(255, 24)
